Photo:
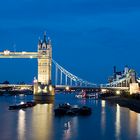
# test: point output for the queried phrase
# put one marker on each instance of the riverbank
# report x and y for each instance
(132, 104)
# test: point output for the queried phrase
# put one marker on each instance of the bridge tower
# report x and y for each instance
(134, 86)
(43, 85)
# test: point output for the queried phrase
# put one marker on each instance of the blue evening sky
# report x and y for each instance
(89, 37)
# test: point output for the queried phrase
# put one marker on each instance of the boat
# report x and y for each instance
(90, 95)
(81, 95)
(17, 106)
(85, 111)
(67, 109)
(62, 109)
(14, 107)
(84, 95)
(22, 105)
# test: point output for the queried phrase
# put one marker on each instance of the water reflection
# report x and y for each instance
(67, 130)
(70, 128)
(133, 123)
(42, 124)
(21, 125)
(138, 127)
(103, 103)
(44, 99)
(108, 121)
(103, 116)
(82, 101)
(118, 126)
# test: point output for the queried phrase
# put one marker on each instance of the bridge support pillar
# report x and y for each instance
(43, 93)
(134, 88)
(41, 89)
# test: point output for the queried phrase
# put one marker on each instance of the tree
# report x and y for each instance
(6, 82)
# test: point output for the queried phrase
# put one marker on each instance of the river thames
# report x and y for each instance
(108, 121)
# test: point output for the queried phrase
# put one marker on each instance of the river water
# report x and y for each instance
(107, 122)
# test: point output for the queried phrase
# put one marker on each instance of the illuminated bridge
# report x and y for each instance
(43, 83)
(63, 79)
(123, 81)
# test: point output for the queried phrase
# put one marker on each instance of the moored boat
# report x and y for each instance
(17, 106)
(67, 109)
(84, 95)
(85, 111)
(81, 95)
(13, 107)
(90, 95)
(22, 105)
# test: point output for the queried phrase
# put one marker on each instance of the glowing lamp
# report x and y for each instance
(67, 88)
(50, 87)
(118, 92)
(103, 90)
(39, 89)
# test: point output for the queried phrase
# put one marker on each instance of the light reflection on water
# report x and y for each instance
(70, 128)
(39, 123)
(138, 127)
(42, 121)
(133, 121)
(21, 124)
(103, 116)
(118, 125)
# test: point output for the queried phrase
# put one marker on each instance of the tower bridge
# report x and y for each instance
(43, 83)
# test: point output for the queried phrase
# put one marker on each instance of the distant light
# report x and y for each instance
(50, 87)
(67, 88)
(23, 52)
(21, 102)
(39, 89)
(118, 92)
(45, 89)
(31, 57)
(6, 52)
(103, 90)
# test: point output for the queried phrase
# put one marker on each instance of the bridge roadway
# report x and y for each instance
(68, 76)
(23, 54)
(23, 86)
(96, 89)
(57, 87)
(65, 87)
(15, 85)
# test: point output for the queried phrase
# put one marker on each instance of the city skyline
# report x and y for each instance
(88, 37)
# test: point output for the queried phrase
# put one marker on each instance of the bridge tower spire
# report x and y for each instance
(43, 84)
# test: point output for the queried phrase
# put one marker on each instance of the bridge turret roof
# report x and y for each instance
(44, 40)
